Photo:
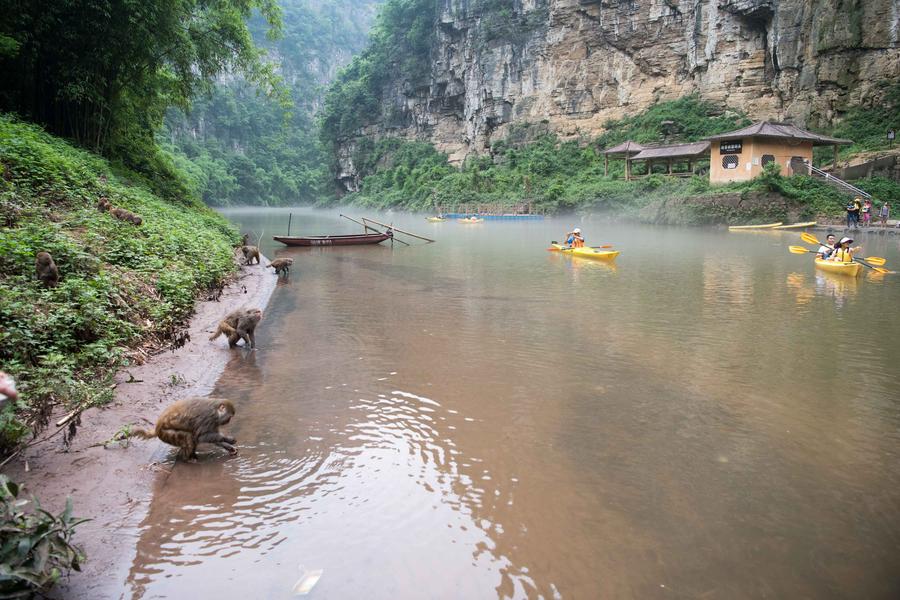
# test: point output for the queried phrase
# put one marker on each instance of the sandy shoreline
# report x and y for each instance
(114, 486)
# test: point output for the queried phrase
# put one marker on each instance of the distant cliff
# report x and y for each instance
(572, 65)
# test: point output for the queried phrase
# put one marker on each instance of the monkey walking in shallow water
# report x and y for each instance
(191, 422)
(46, 269)
(281, 265)
(239, 325)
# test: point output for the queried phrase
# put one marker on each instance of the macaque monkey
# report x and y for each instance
(245, 239)
(46, 269)
(250, 252)
(281, 265)
(190, 422)
(239, 325)
(136, 219)
(103, 204)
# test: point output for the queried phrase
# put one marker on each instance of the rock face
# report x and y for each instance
(574, 64)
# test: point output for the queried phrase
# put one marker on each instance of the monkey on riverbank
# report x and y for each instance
(281, 265)
(239, 325)
(250, 252)
(46, 269)
(245, 239)
(190, 422)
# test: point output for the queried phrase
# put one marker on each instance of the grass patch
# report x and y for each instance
(120, 285)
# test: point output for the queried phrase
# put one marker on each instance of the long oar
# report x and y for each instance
(802, 250)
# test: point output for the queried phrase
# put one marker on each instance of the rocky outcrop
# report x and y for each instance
(574, 64)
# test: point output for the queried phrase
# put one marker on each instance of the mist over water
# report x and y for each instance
(708, 418)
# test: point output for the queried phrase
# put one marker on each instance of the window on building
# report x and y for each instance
(730, 161)
(766, 159)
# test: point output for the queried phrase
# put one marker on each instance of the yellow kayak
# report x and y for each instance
(769, 226)
(587, 252)
(852, 269)
(435, 219)
(797, 225)
(472, 220)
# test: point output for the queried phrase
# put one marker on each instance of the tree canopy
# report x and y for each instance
(103, 72)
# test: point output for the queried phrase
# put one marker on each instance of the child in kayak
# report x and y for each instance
(826, 249)
(843, 252)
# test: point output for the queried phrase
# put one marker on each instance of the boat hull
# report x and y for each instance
(468, 221)
(849, 269)
(334, 240)
(767, 226)
(586, 252)
(797, 225)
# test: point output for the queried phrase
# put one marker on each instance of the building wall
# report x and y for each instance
(749, 161)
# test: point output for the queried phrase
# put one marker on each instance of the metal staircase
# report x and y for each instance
(838, 183)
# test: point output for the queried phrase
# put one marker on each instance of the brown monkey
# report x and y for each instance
(46, 269)
(250, 252)
(281, 265)
(239, 325)
(245, 239)
(117, 212)
(103, 204)
(190, 422)
(136, 219)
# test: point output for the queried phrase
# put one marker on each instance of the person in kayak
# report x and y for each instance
(843, 252)
(826, 249)
(574, 239)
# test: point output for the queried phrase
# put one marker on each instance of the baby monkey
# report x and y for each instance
(47, 272)
(191, 422)
(239, 325)
(250, 252)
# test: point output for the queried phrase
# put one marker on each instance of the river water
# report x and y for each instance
(481, 418)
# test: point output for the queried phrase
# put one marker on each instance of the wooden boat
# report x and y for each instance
(435, 219)
(797, 225)
(334, 240)
(767, 226)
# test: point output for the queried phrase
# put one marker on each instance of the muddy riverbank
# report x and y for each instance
(113, 486)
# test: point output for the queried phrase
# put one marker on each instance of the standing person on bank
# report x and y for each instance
(885, 213)
(853, 209)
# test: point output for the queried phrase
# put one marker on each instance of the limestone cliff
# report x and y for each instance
(574, 64)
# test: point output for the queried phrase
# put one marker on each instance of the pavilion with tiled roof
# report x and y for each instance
(625, 150)
(740, 155)
(670, 155)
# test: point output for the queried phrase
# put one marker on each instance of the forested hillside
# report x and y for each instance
(240, 145)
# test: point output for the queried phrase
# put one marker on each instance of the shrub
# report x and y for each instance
(36, 546)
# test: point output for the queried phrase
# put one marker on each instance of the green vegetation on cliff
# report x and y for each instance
(241, 146)
(121, 285)
(533, 165)
(399, 47)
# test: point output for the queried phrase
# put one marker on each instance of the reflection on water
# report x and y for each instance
(483, 418)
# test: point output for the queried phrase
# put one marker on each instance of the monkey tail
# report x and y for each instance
(224, 328)
(142, 433)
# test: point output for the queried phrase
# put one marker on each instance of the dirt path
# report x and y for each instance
(114, 486)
